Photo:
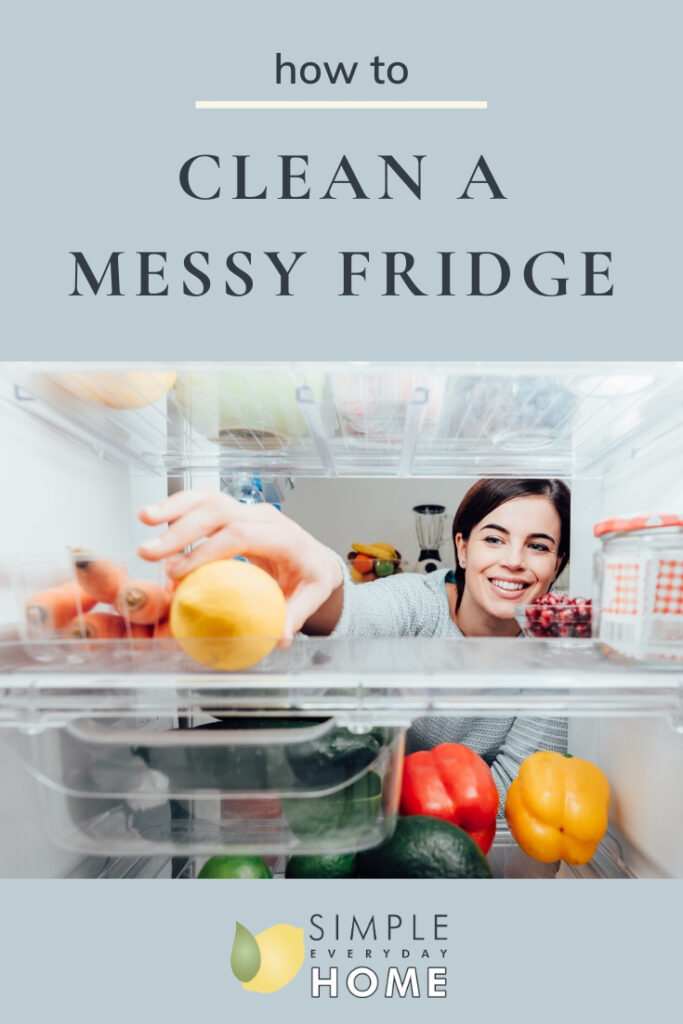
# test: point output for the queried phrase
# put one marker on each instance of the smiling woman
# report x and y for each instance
(511, 541)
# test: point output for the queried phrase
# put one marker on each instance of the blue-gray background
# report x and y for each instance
(527, 952)
(582, 134)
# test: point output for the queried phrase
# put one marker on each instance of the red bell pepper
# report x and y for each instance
(452, 782)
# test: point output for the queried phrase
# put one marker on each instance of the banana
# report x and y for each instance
(383, 550)
(379, 550)
(389, 553)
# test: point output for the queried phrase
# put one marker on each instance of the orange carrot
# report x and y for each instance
(57, 606)
(97, 626)
(139, 631)
(143, 602)
(99, 578)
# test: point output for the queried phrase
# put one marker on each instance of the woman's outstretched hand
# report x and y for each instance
(309, 575)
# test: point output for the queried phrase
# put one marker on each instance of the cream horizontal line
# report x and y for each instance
(340, 105)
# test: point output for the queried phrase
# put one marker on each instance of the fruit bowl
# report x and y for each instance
(366, 568)
(556, 615)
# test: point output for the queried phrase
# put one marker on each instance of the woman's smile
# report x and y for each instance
(508, 589)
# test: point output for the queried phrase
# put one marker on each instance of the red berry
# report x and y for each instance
(557, 614)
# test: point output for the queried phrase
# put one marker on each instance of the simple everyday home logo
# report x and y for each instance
(384, 955)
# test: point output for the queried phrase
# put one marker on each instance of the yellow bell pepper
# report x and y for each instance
(557, 807)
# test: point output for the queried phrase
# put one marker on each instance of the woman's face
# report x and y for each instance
(511, 557)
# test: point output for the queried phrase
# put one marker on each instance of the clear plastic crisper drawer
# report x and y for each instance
(71, 608)
(345, 419)
(236, 785)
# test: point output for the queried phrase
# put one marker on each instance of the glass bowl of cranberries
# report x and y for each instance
(556, 615)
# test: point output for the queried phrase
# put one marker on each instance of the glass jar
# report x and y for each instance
(639, 588)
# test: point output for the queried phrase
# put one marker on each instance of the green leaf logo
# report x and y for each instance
(245, 958)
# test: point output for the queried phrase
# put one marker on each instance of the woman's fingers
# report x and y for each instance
(183, 502)
(194, 525)
(297, 611)
(176, 505)
(301, 604)
(195, 515)
(189, 521)
(170, 566)
(253, 537)
(218, 546)
(305, 571)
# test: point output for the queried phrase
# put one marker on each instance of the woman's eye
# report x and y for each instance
(493, 540)
(539, 547)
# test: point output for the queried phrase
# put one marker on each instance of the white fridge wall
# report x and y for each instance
(56, 494)
(64, 496)
(642, 759)
(60, 494)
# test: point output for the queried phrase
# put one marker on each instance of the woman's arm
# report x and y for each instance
(309, 574)
(323, 621)
(320, 596)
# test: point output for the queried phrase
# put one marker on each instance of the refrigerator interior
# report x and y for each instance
(347, 450)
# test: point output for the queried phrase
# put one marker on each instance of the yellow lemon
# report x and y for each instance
(118, 389)
(282, 956)
(227, 614)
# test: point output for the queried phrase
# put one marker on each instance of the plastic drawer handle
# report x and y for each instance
(90, 731)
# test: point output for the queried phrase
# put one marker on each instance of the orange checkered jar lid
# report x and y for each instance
(644, 521)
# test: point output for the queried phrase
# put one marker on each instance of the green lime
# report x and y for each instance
(351, 809)
(235, 867)
(385, 568)
(423, 847)
(334, 865)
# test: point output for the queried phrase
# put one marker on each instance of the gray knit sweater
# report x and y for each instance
(414, 605)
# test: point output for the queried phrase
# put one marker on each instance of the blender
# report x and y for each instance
(430, 521)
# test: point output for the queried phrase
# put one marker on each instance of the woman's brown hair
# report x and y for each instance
(485, 495)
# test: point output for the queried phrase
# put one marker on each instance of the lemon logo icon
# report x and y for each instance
(268, 961)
